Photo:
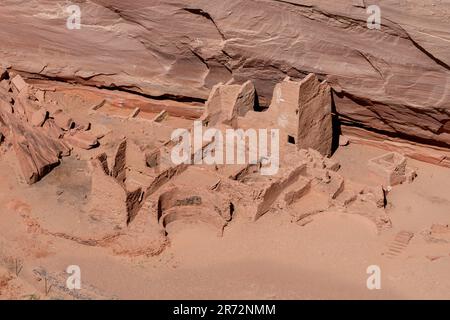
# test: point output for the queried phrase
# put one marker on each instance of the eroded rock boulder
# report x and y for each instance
(36, 152)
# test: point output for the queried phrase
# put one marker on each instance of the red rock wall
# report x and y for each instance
(394, 81)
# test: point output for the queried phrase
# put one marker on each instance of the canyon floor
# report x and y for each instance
(272, 258)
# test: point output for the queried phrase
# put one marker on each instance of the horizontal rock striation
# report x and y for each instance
(394, 81)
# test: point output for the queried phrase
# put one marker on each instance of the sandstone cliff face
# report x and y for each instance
(393, 81)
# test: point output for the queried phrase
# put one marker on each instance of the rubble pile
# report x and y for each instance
(137, 191)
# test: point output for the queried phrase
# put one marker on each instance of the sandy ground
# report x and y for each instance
(268, 259)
